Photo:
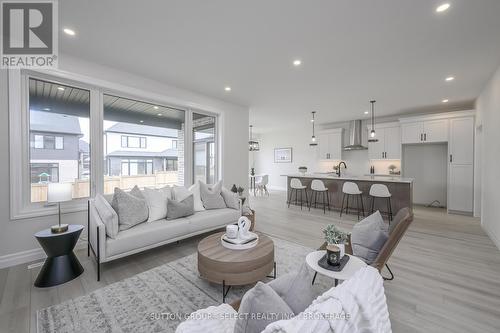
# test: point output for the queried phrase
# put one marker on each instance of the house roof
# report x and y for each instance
(54, 122)
(126, 153)
(143, 130)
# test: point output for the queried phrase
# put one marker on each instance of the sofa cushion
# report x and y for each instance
(146, 234)
(131, 207)
(211, 196)
(295, 288)
(195, 190)
(210, 219)
(256, 302)
(177, 209)
(368, 237)
(230, 198)
(157, 202)
(180, 193)
(107, 214)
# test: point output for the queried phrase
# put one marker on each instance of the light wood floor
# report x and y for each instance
(447, 270)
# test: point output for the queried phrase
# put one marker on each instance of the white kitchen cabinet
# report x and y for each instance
(461, 165)
(426, 131)
(330, 144)
(388, 146)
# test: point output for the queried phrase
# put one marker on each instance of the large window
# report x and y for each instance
(58, 130)
(204, 149)
(138, 144)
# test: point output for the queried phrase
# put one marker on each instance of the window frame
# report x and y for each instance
(142, 139)
(19, 140)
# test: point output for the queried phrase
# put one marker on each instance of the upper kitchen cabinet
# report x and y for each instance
(388, 146)
(424, 131)
(330, 144)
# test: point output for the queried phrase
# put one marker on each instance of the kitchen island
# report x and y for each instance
(400, 188)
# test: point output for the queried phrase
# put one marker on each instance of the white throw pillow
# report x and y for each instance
(180, 193)
(157, 202)
(230, 198)
(195, 190)
(107, 214)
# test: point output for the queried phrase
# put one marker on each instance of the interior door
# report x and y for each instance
(412, 132)
(392, 140)
(436, 130)
(461, 188)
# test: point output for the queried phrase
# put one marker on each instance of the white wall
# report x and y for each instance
(16, 236)
(488, 107)
(429, 166)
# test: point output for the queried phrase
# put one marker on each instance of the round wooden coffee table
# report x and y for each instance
(220, 265)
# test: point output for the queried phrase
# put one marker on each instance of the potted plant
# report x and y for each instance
(335, 236)
(392, 167)
(302, 169)
(234, 189)
(240, 190)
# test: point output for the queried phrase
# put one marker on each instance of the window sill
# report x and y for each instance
(39, 210)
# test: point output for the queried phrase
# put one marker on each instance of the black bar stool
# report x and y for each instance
(319, 188)
(381, 191)
(351, 189)
(296, 185)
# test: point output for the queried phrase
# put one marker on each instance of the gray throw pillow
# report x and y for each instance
(177, 209)
(108, 215)
(257, 302)
(400, 216)
(211, 196)
(295, 289)
(131, 207)
(230, 198)
(368, 237)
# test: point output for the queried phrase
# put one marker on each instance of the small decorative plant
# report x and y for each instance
(234, 189)
(302, 169)
(392, 167)
(334, 235)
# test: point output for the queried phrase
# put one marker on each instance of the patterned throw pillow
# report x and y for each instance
(131, 207)
(211, 196)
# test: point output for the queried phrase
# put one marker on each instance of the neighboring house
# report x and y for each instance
(54, 147)
(132, 149)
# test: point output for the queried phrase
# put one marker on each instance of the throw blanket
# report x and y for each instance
(356, 305)
(214, 319)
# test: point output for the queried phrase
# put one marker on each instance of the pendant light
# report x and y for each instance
(314, 142)
(373, 137)
(252, 145)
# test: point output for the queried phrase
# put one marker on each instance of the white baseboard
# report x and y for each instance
(27, 256)
(492, 236)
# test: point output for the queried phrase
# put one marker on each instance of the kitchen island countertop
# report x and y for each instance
(384, 179)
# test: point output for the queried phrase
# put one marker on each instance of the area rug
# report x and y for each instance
(156, 300)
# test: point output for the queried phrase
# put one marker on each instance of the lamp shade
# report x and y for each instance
(59, 192)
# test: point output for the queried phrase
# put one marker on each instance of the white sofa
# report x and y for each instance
(149, 235)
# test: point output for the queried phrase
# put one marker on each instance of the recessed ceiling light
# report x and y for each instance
(297, 62)
(141, 121)
(445, 101)
(160, 114)
(60, 88)
(68, 31)
(227, 88)
(155, 107)
(366, 112)
(46, 109)
(450, 78)
(442, 8)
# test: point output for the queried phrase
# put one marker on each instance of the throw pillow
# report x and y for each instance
(368, 237)
(295, 289)
(257, 302)
(130, 207)
(211, 196)
(177, 209)
(195, 190)
(157, 202)
(180, 193)
(107, 214)
(230, 198)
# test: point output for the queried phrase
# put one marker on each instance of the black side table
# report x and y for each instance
(61, 264)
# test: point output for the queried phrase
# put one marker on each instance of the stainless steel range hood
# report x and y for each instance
(355, 136)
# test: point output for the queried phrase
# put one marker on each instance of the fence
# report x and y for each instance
(81, 188)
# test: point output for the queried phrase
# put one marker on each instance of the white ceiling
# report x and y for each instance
(395, 51)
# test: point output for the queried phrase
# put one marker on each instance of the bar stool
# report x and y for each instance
(381, 191)
(319, 188)
(296, 185)
(348, 189)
